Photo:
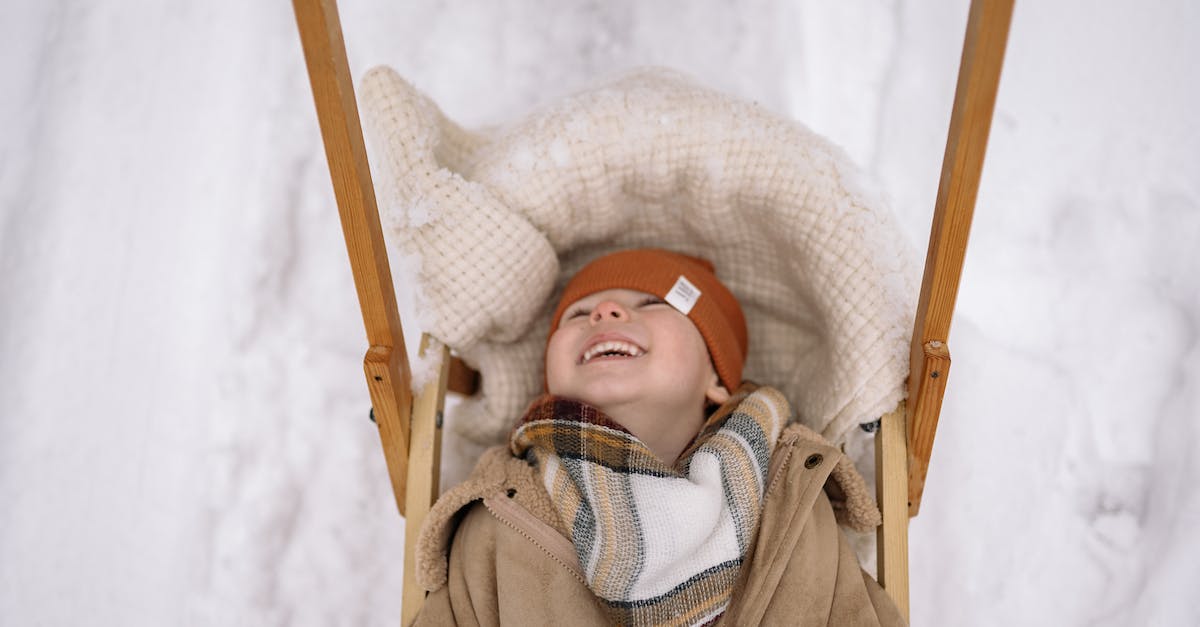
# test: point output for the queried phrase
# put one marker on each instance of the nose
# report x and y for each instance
(609, 310)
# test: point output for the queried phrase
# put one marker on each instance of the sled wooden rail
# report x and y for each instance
(904, 441)
(962, 166)
(386, 362)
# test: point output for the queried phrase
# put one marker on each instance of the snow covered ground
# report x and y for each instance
(183, 430)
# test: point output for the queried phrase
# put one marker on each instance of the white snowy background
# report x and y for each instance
(183, 419)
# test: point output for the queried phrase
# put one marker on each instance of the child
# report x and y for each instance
(651, 486)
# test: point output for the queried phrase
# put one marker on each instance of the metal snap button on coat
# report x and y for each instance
(813, 461)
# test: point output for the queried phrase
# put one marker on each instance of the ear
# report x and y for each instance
(716, 393)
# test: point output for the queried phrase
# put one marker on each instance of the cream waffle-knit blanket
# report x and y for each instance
(495, 222)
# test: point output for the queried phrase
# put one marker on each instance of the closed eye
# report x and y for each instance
(575, 313)
(652, 300)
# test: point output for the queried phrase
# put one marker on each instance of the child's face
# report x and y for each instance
(622, 346)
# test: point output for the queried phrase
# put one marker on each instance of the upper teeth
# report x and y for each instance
(616, 346)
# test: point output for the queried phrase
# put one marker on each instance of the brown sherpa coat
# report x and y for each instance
(493, 551)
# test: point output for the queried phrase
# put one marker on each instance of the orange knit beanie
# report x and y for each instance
(688, 284)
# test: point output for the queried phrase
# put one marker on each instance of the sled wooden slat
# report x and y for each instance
(891, 492)
(386, 361)
(970, 121)
(424, 471)
(935, 369)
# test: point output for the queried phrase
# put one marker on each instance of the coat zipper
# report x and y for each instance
(496, 507)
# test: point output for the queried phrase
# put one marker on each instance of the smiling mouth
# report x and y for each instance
(611, 349)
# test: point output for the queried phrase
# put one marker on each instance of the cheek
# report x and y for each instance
(558, 359)
(692, 344)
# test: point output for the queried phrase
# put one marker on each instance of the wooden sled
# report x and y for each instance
(410, 427)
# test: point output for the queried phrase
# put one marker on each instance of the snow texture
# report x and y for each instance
(183, 419)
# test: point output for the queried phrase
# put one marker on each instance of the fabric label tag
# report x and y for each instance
(683, 295)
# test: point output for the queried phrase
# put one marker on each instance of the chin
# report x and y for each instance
(603, 397)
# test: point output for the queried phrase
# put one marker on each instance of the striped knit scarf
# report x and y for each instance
(659, 545)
